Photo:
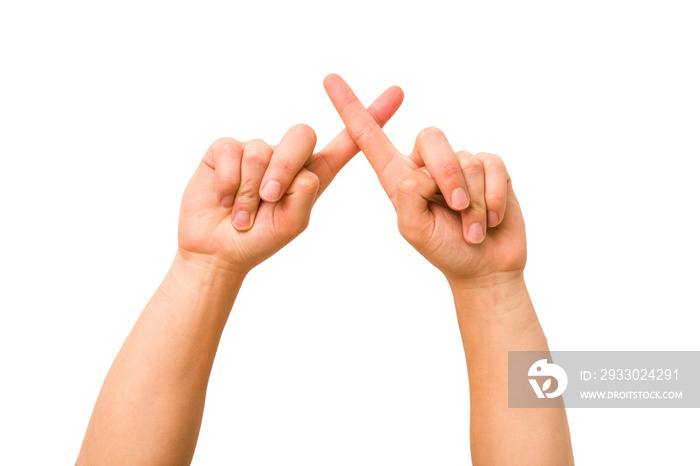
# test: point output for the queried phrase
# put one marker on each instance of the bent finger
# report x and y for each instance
(287, 159)
(413, 193)
(496, 190)
(435, 152)
(254, 162)
(293, 212)
(474, 217)
(224, 156)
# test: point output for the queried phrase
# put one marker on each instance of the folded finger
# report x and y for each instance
(294, 210)
(254, 162)
(474, 217)
(224, 156)
(438, 156)
(496, 179)
(414, 191)
(288, 157)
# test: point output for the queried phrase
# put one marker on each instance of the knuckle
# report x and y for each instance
(365, 131)
(495, 199)
(255, 157)
(471, 165)
(285, 167)
(305, 131)
(406, 183)
(490, 160)
(431, 132)
(225, 145)
(309, 183)
(258, 154)
(489, 156)
(229, 180)
(451, 170)
(247, 196)
(477, 206)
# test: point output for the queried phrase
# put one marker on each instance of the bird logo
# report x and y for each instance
(543, 368)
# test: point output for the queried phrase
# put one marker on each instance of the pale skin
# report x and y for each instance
(478, 243)
(150, 407)
(247, 200)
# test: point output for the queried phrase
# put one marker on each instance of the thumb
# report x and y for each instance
(294, 210)
(415, 219)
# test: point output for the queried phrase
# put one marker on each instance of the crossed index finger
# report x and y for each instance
(362, 127)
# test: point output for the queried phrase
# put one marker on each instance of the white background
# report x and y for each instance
(343, 348)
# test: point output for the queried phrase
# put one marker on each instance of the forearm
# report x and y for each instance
(150, 407)
(495, 318)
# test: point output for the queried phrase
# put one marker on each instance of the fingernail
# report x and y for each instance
(492, 218)
(425, 170)
(272, 191)
(227, 202)
(241, 220)
(476, 233)
(459, 199)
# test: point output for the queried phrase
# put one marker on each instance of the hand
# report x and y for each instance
(457, 209)
(246, 200)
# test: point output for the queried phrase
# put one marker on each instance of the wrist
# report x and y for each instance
(204, 272)
(491, 296)
(497, 312)
(208, 266)
(488, 281)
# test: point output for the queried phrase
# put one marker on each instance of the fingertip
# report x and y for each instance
(227, 202)
(493, 218)
(305, 132)
(459, 199)
(386, 105)
(310, 184)
(271, 191)
(330, 79)
(241, 221)
(399, 94)
(431, 133)
(475, 233)
(407, 183)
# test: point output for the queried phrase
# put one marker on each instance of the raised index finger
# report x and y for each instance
(327, 162)
(361, 125)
